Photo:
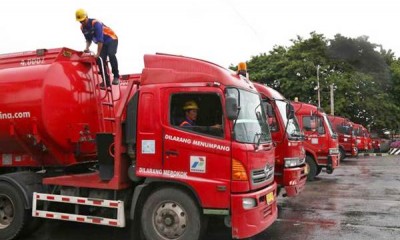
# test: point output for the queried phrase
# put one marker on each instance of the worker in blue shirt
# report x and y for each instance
(106, 40)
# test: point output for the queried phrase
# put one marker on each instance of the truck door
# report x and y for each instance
(196, 146)
(313, 127)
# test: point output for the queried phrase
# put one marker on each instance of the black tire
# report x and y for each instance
(278, 190)
(32, 225)
(312, 167)
(319, 169)
(342, 154)
(170, 213)
(13, 216)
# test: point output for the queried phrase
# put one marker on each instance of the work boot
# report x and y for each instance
(115, 81)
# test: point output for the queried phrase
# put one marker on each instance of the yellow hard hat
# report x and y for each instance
(189, 105)
(80, 15)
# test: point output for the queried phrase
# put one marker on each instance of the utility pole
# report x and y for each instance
(332, 101)
(319, 97)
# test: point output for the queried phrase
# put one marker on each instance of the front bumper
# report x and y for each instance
(294, 180)
(249, 222)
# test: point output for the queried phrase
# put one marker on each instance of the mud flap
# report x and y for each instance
(106, 161)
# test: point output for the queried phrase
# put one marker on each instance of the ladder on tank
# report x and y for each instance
(105, 100)
(107, 122)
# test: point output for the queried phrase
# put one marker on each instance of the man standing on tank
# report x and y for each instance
(106, 40)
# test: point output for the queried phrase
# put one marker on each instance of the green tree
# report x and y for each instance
(292, 71)
(365, 99)
(365, 76)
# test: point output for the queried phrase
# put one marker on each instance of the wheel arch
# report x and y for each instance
(142, 191)
(312, 155)
(342, 147)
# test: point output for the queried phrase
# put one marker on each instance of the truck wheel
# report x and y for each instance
(342, 154)
(319, 169)
(13, 215)
(312, 166)
(170, 213)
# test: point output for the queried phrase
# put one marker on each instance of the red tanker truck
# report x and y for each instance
(321, 142)
(347, 140)
(74, 152)
(290, 167)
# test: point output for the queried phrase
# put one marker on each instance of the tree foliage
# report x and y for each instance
(365, 77)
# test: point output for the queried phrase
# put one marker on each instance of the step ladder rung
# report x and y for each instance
(109, 119)
(108, 89)
(107, 103)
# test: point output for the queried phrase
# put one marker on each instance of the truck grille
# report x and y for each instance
(260, 176)
(267, 210)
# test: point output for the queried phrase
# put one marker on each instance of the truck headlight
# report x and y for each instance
(249, 203)
(293, 162)
(333, 151)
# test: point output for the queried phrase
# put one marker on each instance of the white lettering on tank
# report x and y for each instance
(14, 115)
(32, 61)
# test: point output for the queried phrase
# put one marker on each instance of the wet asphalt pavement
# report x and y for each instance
(360, 200)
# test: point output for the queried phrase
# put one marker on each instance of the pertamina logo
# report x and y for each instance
(198, 164)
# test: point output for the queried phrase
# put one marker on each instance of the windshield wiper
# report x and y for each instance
(257, 138)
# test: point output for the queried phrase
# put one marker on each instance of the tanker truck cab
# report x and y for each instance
(224, 158)
(321, 143)
(290, 167)
(125, 151)
(346, 138)
(363, 139)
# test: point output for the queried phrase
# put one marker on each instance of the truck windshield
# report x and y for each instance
(358, 131)
(291, 125)
(251, 124)
(344, 129)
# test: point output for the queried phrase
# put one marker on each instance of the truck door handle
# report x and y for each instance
(268, 146)
(171, 153)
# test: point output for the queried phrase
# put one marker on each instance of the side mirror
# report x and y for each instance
(232, 108)
(289, 111)
(268, 109)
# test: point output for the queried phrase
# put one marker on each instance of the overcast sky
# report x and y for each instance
(221, 31)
